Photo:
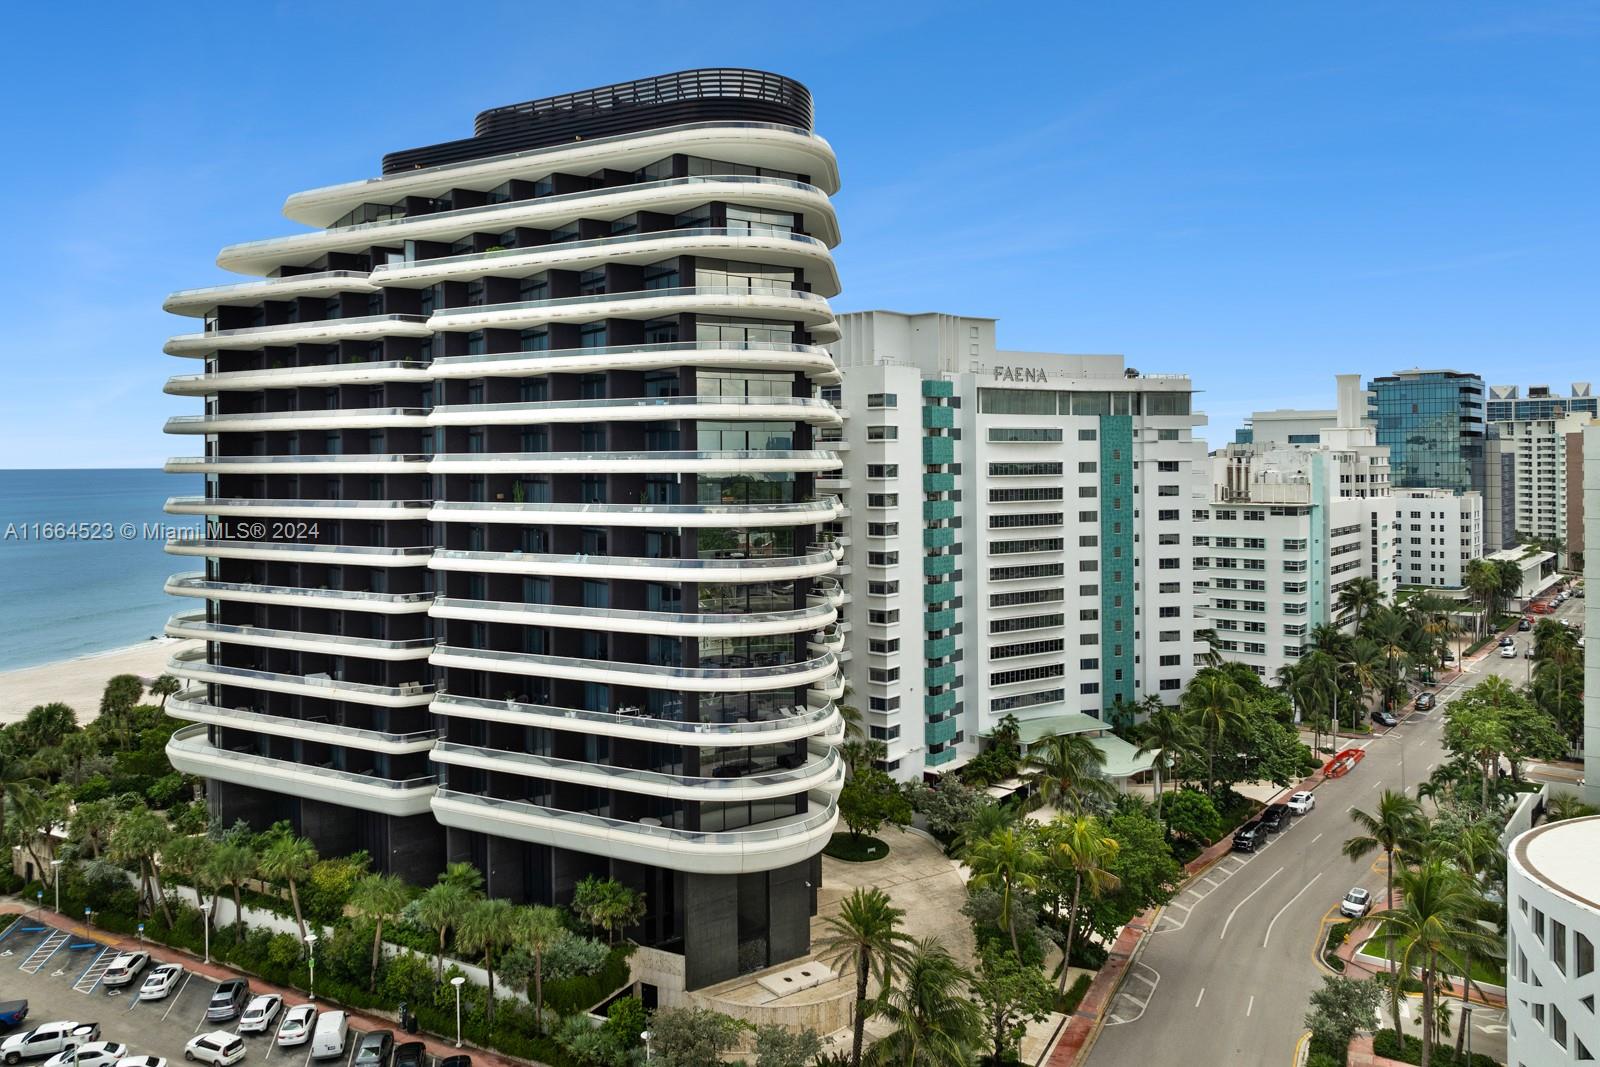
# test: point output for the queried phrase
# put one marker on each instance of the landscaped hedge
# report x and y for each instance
(569, 995)
(1386, 1043)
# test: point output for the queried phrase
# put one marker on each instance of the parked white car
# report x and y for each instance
(218, 1047)
(141, 1061)
(48, 1039)
(260, 1013)
(1356, 903)
(1302, 802)
(161, 981)
(125, 968)
(94, 1054)
(295, 1029)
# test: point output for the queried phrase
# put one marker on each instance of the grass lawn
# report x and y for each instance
(853, 849)
(1483, 970)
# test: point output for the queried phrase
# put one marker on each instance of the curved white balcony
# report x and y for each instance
(641, 568)
(790, 305)
(190, 752)
(829, 688)
(634, 409)
(750, 460)
(764, 847)
(194, 624)
(260, 508)
(197, 585)
(830, 544)
(320, 283)
(769, 145)
(833, 483)
(340, 463)
(821, 721)
(812, 360)
(826, 590)
(620, 620)
(367, 373)
(667, 196)
(301, 552)
(192, 665)
(272, 421)
(191, 706)
(646, 675)
(674, 515)
(818, 773)
(768, 245)
(828, 639)
(284, 334)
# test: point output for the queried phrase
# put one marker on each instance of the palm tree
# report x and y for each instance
(1067, 770)
(1392, 636)
(1166, 737)
(138, 838)
(987, 820)
(440, 908)
(537, 930)
(1007, 862)
(379, 897)
(1211, 657)
(15, 779)
(1567, 806)
(1215, 704)
(1397, 825)
(464, 876)
(1083, 847)
(487, 928)
(1482, 579)
(1430, 929)
(935, 1021)
(165, 686)
(289, 860)
(866, 935)
(232, 864)
(1357, 598)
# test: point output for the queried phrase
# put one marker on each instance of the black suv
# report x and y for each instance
(410, 1054)
(1275, 818)
(1249, 837)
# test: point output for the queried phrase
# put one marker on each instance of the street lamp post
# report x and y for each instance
(205, 922)
(311, 963)
(647, 1035)
(55, 876)
(457, 981)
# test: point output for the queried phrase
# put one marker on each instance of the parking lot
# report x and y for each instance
(59, 975)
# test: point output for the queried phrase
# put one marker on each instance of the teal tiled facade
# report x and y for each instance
(1117, 620)
(941, 707)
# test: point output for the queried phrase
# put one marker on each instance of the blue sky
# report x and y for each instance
(1261, 195)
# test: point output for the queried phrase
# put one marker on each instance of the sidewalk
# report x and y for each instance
(437, 1047)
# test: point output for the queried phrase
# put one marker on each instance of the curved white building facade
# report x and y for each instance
(1553, 926)
(514, 551)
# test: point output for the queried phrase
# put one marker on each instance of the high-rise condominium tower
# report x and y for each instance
(522, 562)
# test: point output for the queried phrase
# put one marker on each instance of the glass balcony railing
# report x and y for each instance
(535, 663)
(196, 583)
(489, 258)
(789, 718)
(732, 455)
(194, 624)
(692, 568)
(269, 504)
(805, 404)
(662, 348)
(776, 292)
(526, 763)
(444, 605)
(179, 382)
(179, 423)
(193, 740)
(193, 662)
(191, 704)
(823, 814)
(182, 463)
(826, 506)
(221, 293)
(421, 553)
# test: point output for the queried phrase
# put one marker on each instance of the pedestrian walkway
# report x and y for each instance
(360, 1020)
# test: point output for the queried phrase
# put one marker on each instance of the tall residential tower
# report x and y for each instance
(521, 559)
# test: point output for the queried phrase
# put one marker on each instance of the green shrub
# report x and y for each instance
(569, 995)
(1387, 1043)
(1075, 994)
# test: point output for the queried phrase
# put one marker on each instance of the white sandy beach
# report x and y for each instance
(79, 682)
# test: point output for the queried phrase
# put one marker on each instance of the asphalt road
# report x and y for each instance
(1227, 975)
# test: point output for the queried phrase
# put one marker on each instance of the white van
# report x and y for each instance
(328, 1040)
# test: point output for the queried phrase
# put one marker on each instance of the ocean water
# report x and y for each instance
(66, 596)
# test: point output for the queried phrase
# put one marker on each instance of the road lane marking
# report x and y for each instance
(1283, 909)
(1248, 1008)
(1245, 901)
(1199, 998)
(1314, 840)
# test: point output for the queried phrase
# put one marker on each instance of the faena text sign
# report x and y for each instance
(1034, 375)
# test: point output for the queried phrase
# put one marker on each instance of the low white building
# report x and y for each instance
(1440, 533)
(1289, 526)
(1552, 928)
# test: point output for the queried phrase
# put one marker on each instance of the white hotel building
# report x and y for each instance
(1018, 528)
(1440, 533)
(1289, 525)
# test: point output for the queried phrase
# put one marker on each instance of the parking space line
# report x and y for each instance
(92, 976)
(1200, 997)
(1248, 1008)
(178, 995)
(1314, 840)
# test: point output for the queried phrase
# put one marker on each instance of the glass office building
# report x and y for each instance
(1433, 424)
